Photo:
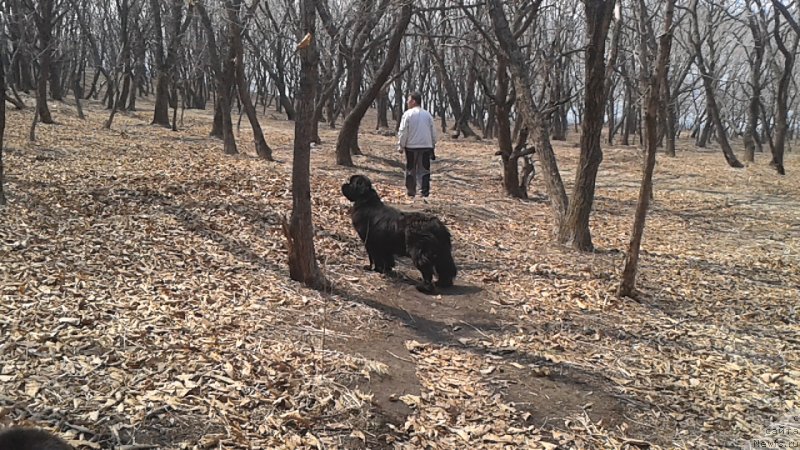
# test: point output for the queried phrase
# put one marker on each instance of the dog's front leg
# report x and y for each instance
(371, 264)
(427, 286)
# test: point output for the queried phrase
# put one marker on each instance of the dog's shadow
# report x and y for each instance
(399, 278)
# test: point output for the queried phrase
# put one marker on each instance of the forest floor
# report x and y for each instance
(145, 299)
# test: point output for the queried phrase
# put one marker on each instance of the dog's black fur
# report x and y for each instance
(387, 232)
(30, 439)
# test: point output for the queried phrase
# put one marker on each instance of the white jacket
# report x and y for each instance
(416, 129)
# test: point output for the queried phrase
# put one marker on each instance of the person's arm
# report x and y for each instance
(433, 137)
(402, 133)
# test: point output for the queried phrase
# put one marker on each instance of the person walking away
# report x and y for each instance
(417, 139)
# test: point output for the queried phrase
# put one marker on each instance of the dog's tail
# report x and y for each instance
(445, 266)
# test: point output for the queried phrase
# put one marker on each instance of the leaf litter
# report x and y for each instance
(146, 301)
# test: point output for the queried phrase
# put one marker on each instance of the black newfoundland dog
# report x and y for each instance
(387, 232)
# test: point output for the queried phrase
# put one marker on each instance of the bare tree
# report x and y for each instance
(788, 15)
(300, 229)
(707, 75)
(235, 23)
(348, 135)
(223, 74)
(165, 60)
(276, 66)
(45, 17)
(781, 99)
(442, 71)
(628, 283)
(535, 118)
(574, 229)
(503, 102)
(757, 24)
(2, 131)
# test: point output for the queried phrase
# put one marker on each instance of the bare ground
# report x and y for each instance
(146, 300)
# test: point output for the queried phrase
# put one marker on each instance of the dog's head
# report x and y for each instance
(359, 189)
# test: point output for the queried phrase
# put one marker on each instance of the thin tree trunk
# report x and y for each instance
(450, 88)
(574, 230)
(627, 285)
(511, 184)
(166, 62)
(223, 75)
(32, 133)
(782, 108)
(300, 229)
(226, 99)
(669, 112)
(112, 95)
(708, 85)
(44, 24)
(2, 133)
(750, 137)
(77, 90)
(262, 148)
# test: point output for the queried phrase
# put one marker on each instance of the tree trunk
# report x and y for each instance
(669, 111)
(462, 122)
(574, 230)
(708, 85)
(216, 123)
(757, 30)
(44, 25)
(450, 88)
(383, 110)
(2, 133)
(166, 62)
(627, 285)
(112, 95)
(56, 88)
(535, 121)
(223, 74)
(781, 108)
(348, 135)
(611, 113)
(280, 85)
(511, 184)
(558, 125)
(398, 96)
(705, 133)
(161, 110)
(227, 85)
(262, 149)
(629, 113)
(300, 229)
(77, 91)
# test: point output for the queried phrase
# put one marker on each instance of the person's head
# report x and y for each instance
(414, 99)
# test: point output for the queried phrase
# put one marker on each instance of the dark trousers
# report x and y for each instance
(418, 171)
